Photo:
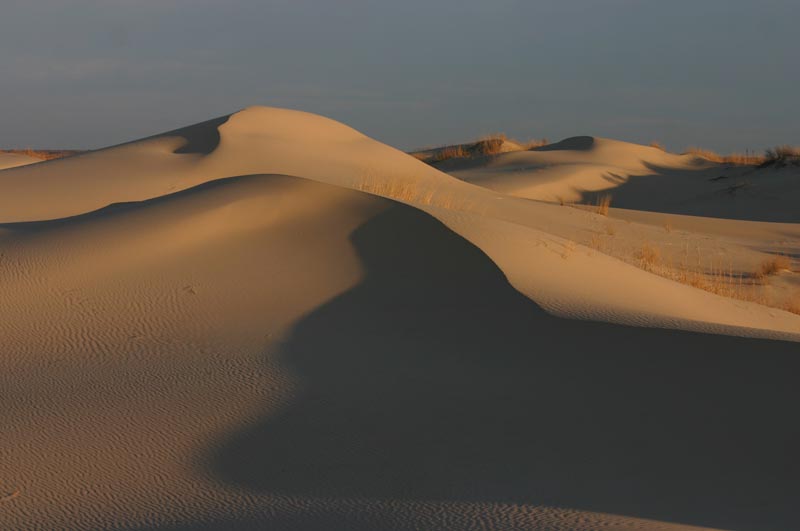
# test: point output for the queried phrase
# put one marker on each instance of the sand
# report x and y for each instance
(271, 321)
(12, 160)
(638, 177)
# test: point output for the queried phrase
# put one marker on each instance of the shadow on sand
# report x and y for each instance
(434, 379)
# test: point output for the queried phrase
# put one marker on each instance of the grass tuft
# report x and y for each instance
(649, 257)
(603, 204)
(773, 266)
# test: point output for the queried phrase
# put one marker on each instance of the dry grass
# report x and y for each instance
(714, 275)
(603, 204)
(42, 154)
(418, 193)
(782, 156)
(491, 145)
(649, 257)
(447, 153)
(779, 156)
(710, 275)
(743, 159)
(610, 229)
(658, 145)
(773, 265)
(597, 243)
(485, 147)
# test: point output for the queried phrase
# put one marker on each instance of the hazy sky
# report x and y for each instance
(723, 74)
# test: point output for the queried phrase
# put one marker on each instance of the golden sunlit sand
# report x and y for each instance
(272, 321)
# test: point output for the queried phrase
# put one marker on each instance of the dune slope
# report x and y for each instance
(12, 160)
(581, 169)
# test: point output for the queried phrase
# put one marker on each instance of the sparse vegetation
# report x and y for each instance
(773, 266)
(42, 154)
(649, 257)
(487, 146)
(447, 153)
(778, 156)
(491, 145)
(782, 156)
(742, 159)
(603, 204)
(658, 145)
(715, 276)
(418, 193)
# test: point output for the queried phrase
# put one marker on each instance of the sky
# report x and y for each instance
(721, 74)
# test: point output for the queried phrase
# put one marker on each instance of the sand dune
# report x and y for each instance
(12, 160)
(580, 169)
(225, 326)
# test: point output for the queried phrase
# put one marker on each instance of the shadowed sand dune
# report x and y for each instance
(192, 337)
(417, 388)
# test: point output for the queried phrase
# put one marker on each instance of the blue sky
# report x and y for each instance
(723, 74)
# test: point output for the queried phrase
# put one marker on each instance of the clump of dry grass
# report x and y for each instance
(597, 242)
(742, 159)
(610, 229)
(490, 145)
(603, 204)
(773, 265)
(658, 145)
(782, 156)
(649, 257)
(447, 153)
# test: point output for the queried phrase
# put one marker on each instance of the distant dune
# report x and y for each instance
(10, 160)
(271, 321)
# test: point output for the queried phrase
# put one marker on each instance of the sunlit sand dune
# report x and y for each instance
(271, 321)
(11, 160)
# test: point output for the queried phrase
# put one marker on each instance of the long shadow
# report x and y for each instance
(727, 192)
(434, 379)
